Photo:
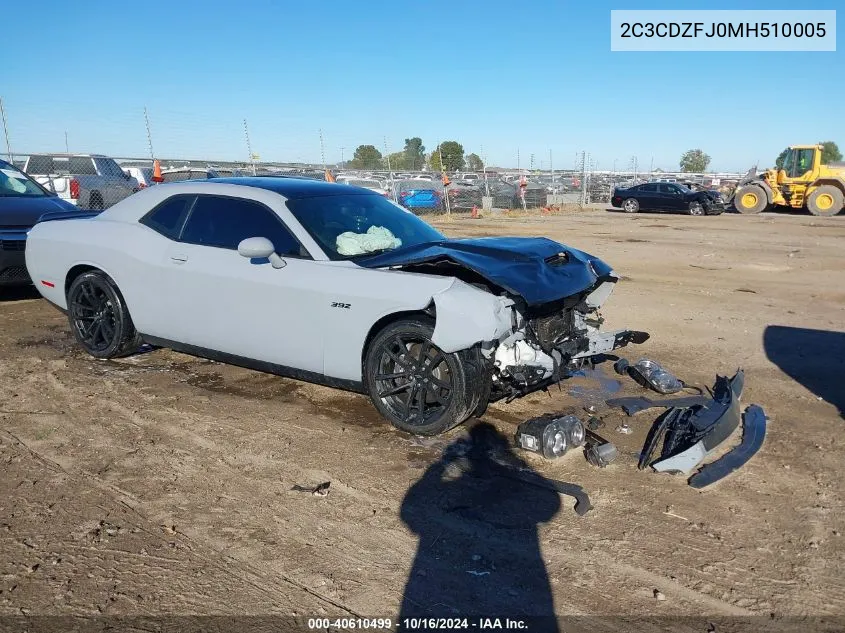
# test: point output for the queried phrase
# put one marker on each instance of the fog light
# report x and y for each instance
(551, 437)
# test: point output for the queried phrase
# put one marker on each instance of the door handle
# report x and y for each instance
(178, 259)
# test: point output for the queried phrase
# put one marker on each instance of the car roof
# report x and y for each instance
(293, 188)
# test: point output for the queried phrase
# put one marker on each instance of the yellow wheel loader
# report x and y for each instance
(802, 182)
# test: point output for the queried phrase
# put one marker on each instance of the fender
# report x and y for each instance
(466, 315)
(770, 195)
(837, 182)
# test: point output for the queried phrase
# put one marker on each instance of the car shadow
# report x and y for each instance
(813, 358)
(479, 552)
(18, 293)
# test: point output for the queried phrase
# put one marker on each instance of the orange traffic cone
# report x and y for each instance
(330, 176)
(474, 211)
(157, 171)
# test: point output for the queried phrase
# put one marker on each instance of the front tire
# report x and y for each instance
(631, 205)
(99, 318)
(750, 199)
(416, 386)
(696, 208)
(825, 201)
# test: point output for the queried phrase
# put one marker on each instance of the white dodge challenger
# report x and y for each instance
(329, 284)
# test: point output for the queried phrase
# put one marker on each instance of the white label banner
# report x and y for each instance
(703, 30)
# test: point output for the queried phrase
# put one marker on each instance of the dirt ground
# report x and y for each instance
(162, 484)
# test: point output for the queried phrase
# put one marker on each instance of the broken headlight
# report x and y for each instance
(551, 437)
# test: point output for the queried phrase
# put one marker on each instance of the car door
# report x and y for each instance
(647, 196)
(671, 198)
(247, 308)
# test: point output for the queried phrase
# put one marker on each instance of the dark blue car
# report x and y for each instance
(22, 202)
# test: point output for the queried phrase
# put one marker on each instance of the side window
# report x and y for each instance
(81, 166)
(225, 222)
(169, 216)
(670, 189)
(651, 188)
(40, 165)
(108, 167)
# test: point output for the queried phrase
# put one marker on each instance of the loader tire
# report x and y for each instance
(750, 199)
(825, 201)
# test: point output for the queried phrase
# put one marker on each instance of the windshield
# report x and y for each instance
(14, 182)
(351, 226)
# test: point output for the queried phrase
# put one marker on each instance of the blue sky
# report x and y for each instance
(505, 76)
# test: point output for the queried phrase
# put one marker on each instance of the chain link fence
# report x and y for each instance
(169, 135)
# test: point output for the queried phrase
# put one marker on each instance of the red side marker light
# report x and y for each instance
(49, 284)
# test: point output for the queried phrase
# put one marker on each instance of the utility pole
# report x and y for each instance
(342, 166)
(5, 130)
(651, 169)
(517, 159)
(531, 163)
(149, 135)
(484, 169)
(322, 151)
(67, 148)
(389, 171)
(443, 171)
(552, 169)
(583, 178)
(249, 147)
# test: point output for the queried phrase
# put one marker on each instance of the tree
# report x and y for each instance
(366, 157)
(452, 154)
(474, 162)
(781, 157)
(694, 161)
(398, 160)
(414, 153)
(830, 153)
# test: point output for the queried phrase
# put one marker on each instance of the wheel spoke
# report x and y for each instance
(402, 374)
(442, 384)
(421, 404)
(394, 390)
(424, 349)
(409, 402)
(397, 359)
(108, 330)
(435, 392)
(77, 305)
(95, 330)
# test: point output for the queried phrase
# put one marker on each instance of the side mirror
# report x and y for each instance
(260, 248)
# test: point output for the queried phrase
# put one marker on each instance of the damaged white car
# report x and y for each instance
(330, 284)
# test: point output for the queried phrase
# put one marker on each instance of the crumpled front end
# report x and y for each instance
(550, 341)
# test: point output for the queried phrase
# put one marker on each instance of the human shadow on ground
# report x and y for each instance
(813, 358)
(479, 551)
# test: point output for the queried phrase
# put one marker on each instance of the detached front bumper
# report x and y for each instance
(12, 260)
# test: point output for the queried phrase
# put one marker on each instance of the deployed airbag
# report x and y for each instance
(375, 239)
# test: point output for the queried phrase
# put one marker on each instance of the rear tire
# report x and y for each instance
(95, 201)
(631, 205)
(750, 199)
(825, 201)
(99, 318)
(413, 384)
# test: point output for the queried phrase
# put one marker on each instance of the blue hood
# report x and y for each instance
(24, 211)
(538, 269)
